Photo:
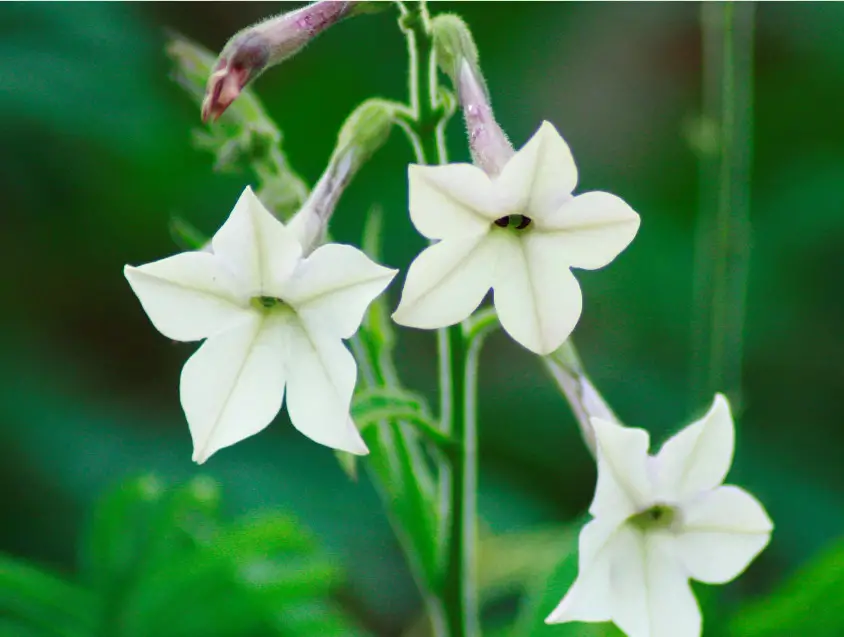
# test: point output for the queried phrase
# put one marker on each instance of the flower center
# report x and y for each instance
(265, 303)
(659, 516)
(519, 222)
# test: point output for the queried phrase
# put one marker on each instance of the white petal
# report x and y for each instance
(537, 298)
(651, 593)
(257, 247)
(591, 229)
(589, 598)
(542, 174)
(699, 457)
(333, 287)
(448, 281)
(452, 200)
(723, 530)
(233, 386)
(187, 296)
(623, 486)
(321, 379)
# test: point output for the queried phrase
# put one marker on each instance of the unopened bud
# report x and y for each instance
(457, 56)
(491, 149)
(254, 49)
(363, 133)
(453, 43)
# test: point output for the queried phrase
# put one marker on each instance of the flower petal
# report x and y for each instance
(187, 296)
(723, 530)
(452, 200)
(591, 229)
(257, 247)
(333, 287)
(541, 174)
(589, 598)
(537, 298)
(651, 593)
(448, 281)
(623, 486)
(233, 386)
(321, 380)
(699, 457)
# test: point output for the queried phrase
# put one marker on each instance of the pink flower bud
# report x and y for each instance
(254, 49)
(489, 145)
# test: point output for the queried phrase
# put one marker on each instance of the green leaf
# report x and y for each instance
(188, 517)
(120, 532)
(44, 601)
(809, 604)
(11, 628)
(250, 578)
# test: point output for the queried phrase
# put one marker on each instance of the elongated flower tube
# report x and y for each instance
(659, 521)
(363, 133)
(273, 321)
(253, 50)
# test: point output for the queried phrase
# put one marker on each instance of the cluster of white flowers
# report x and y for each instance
(274, 318)
(274, 311)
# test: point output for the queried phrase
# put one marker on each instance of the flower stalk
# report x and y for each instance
(723, 232)
(456, 373)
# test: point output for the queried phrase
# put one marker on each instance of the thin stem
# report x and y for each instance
(724, 229)
(457, 369)
(586, 402)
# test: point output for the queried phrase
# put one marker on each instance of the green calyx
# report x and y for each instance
(659, 516)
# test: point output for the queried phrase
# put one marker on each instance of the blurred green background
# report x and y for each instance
(97, 158)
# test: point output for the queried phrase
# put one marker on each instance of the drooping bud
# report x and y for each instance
(363, 133)
(249, 137)
(457, 56)
(253, 50)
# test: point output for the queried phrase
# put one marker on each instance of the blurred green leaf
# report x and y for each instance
(809, 604)
(11, 628)
(120, 533)
(44, 602)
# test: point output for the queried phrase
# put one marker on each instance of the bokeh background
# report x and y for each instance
(97, 158)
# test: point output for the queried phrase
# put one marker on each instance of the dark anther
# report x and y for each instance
(267, 301)
(524, 223)
(518, 222)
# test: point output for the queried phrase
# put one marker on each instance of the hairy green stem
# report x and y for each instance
(723, 232)
(456, 367)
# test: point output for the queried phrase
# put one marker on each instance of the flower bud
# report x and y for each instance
(457, 56)
(363, 133)
(453, 43)
(254, 49)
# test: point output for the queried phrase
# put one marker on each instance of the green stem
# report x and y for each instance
(723, 230)
(456, 367)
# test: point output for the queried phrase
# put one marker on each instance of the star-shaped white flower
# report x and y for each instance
(518, 233)
(658, 521)
(272, 320)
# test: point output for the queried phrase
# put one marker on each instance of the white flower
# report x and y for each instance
(272, 319)
(658, 521)
(517, 233)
